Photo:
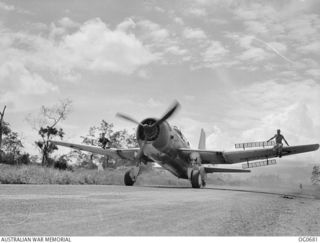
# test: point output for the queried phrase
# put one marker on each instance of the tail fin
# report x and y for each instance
(202, 141)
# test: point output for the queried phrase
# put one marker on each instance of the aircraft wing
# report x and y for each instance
(115, 153)
(232, 157)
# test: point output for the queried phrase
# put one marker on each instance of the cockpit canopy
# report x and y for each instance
(180, 134)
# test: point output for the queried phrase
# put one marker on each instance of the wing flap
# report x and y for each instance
(227, 170)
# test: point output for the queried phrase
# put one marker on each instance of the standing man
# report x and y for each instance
(278, 137)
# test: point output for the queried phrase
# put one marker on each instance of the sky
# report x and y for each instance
(240, 69)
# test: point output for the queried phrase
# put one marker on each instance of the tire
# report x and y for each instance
(127, 179)
(196, 179)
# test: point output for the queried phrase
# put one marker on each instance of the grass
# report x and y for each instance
(33, 174)
(317, 191)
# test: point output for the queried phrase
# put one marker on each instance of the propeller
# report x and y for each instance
(149, 130)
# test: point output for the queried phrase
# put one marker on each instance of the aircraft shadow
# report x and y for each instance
(284, 195)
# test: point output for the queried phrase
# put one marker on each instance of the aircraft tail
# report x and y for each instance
(202, 141)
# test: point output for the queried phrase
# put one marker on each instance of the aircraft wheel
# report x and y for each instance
(127, 179)
(196, 179)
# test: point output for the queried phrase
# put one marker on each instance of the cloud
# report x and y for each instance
(313, 47)
(176, 50)
(11, 8)
(279, 27)
(197, 12)
(7, 7)
(155, 37)
(162, 42)
(35, 65)
(94, 46)
(126, 25)
(16, 81)
(254, 54)
(249, 52)
(214, 53)
(277, 48)
(303, 28)
(256, 50)
(15, 77)
(256, 27)
(254, 11)
(153, 103)
(178, 20)
(144, 74)
(159, 9)
(68, 23)
(153, 31)
(314, 72)
(195, 33)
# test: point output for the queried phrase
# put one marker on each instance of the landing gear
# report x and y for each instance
(131, 175)
(198, 177)
(195, 179)
(128, 181)
(196, 172)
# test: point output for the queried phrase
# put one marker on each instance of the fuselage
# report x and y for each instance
(163, 148)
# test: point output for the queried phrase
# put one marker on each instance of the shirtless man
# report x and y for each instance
(104, 141)
(278, 137)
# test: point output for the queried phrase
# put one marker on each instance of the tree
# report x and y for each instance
(12, 145)
(24, 159)
(11, 149)
(61, 163)
(315, 177)
(46, 124)
(2, 125)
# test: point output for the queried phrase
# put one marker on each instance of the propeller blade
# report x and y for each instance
(169, 113)
(128, 118)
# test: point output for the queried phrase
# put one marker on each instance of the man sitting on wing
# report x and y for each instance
(278, 137)
(103, 141)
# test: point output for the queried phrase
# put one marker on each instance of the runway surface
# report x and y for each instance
(79, 210)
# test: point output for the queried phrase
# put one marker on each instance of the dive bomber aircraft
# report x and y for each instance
(159, 142)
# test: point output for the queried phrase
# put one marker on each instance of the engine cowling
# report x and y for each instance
(158, 135)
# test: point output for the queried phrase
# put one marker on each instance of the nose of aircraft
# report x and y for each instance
(150, 128)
